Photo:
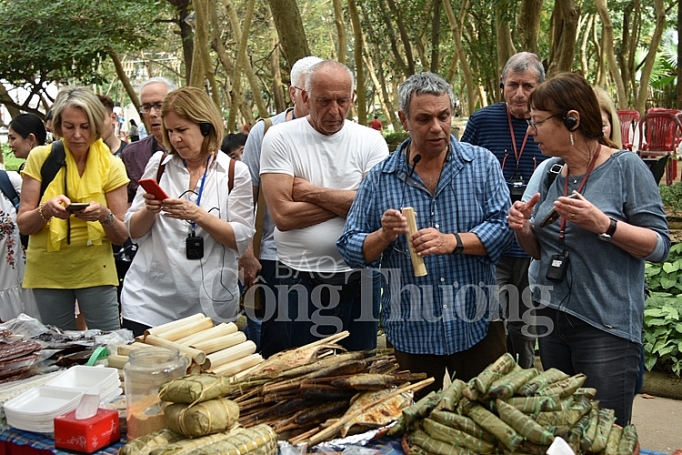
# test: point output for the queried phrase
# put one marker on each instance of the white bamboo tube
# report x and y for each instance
(126, 349)
(417, 261)
(220, 343)
(198, 356)
(117, 361)
(232, 368)
(220, 330)
(172, 325)
(189, 329)
(229, 355)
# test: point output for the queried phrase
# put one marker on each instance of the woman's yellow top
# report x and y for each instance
(88, 260)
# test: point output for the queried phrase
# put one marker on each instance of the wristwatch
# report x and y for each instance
(459, 249)
(607, 236)
(109, 219)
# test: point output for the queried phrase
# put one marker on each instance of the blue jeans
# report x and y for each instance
(610, 363)
(322, 305)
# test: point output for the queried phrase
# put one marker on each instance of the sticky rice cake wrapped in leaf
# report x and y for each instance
(201, 419)
(195, 388)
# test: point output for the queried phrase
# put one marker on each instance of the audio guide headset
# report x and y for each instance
(570, 122)
(205, 128)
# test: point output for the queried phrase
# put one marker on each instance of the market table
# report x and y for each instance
(17, 442)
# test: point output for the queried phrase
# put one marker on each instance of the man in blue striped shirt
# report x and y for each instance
(443, 319)
(502, 129)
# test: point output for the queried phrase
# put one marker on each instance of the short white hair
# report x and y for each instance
(323, 63)
(301, 68)
(158, 80)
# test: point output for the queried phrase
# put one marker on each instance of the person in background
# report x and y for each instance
(115, 144)
(188, 244)
(502, 129)
(609, 117)
(25, 132)
(69, 256)
(589, 281)
(48, 127)
(143, 131)
(376, 123)
(272, 334)
(134, 132)
(310, 171)
(233, 145)
(137, 154)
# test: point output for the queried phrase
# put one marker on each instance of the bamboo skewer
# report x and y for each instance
(331, 430)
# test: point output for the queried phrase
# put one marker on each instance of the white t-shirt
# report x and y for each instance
(162, 285)
(339, 161)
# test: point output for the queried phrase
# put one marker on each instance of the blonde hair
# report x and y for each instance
(196, 106)
(84, 99)
(606, 105)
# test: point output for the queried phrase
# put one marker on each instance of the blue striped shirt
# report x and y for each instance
(489, 128)
(449, 309)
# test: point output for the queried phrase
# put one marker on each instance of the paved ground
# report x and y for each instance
(658, 422)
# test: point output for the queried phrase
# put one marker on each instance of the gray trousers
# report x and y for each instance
(99, 305)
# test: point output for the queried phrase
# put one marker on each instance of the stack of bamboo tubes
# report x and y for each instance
(220, 349)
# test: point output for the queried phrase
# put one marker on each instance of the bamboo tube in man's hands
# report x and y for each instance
(417, 261)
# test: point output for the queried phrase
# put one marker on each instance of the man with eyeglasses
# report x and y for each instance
(136, 155)
(271, 334)
(310, 169)
(502, 128)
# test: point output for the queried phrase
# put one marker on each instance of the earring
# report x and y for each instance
(572, 140)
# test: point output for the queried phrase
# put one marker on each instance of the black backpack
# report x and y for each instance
(53, 163)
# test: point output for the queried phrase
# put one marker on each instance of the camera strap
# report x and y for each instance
(579, 190)
(517, 153)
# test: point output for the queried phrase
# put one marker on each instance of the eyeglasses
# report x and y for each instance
(147, 108)
(535, 125)
(298, 88)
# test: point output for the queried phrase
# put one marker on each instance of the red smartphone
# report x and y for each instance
(151, 187)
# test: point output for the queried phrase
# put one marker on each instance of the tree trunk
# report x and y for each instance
(290, 29)
(565, 27)
(607, 49)
(505, 46)
(197, 75)
(435, 37)
(186, 34)
(9, 103)
(379, 87)
(243, 64)
(404, 37)
(583, 46)
(463, 59)
(123, 77)
(359, 67)
(340, 31)
(223, 57)
(397, 57)
(277, 86)
(650, 59)
(528, 24)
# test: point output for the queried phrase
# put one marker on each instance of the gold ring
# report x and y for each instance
(573, 216)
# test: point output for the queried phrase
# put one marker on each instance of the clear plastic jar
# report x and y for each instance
(145, 371)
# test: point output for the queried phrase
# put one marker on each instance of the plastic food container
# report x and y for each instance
(86, 379)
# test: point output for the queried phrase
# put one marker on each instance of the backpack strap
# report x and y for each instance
(162, 167)
(8, 189)
(230, 176)
(53, 163)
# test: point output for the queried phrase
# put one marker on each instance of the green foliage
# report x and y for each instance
(64, 40)
(667, 276)
(672, 198)
(12, 163)
(663, 333)
(394, 139)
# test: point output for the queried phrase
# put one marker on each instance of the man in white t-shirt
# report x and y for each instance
(310, 170)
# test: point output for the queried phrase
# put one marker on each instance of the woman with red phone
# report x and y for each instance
(192, 217)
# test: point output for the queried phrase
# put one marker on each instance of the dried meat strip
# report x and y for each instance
(9, 351)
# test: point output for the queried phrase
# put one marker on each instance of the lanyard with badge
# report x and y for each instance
(194, 244)
(556, 271)
(517, 185)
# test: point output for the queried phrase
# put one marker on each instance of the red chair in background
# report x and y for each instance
(628, 122)
(659, 133)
